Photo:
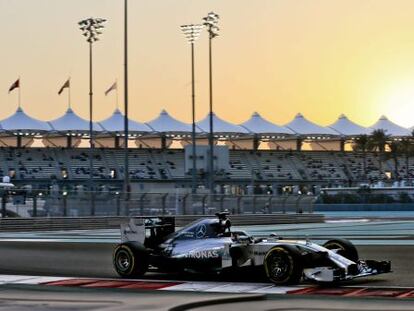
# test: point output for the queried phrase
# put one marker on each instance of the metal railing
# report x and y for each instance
(77, 204)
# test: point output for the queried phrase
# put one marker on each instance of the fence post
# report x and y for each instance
(141, 203)
(126, 203)
(185, 204)
(221, 202)
(164, 199)
(35, 205)
(65, 207)
(239, 198)
(93, 212)
(312, 204)
(254, 204)
(284, 204)
(270, 205)
(118, 205)
(297, 205)
(204, 204)
(3, 204)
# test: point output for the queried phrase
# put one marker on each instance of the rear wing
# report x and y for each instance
(149, 231)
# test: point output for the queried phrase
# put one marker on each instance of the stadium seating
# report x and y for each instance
(322, 165)
(355, 164)
(239, 168)
(275, 165)
(174, 162)
(156, 164)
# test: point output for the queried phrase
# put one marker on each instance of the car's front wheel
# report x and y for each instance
(283, 265)
(130, 260)
(344, 248)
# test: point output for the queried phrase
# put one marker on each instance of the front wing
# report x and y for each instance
(372, 267)
(362, 268)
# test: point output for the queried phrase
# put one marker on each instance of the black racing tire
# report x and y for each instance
(130, 259)
(283, 265)
(344, 248)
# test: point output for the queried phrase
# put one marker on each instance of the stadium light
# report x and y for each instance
(127, 187)
(192, 33)
(210, 22)
(90, 28)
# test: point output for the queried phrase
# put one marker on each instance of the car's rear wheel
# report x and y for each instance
(130, 260)
(283, 265)
(344, 248)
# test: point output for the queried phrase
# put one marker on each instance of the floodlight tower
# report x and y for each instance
(191, 33)
(91, 28)
(127, 187)
(211, 21)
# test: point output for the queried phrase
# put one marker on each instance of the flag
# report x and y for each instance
(113, 87)
(14, 85)
(64, 86)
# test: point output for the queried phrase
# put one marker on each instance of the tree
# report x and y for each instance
(362, 144)
(379, 141)
(407, 150)
(395, 150)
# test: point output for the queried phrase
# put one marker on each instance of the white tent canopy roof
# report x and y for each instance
(348, 128)
(390, 128)
(20, 121)
(220, 126)
(71, 122)
(300, 125)
(115, 123)
(164, 123)
(258, 125)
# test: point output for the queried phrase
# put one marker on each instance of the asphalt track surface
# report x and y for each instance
(89, 254)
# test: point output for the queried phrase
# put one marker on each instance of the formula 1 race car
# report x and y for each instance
(209, 245)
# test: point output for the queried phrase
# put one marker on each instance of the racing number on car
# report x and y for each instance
(201, 231)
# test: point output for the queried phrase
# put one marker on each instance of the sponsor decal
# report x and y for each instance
(187, 234)
(201, 231)
(206, 254)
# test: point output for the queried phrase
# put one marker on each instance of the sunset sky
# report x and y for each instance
(278, 57)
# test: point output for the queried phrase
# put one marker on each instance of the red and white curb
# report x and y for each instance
(27, 279)
(213, 287)
(357, 291)
(143, 284)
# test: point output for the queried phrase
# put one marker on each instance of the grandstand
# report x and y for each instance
(41, 166)
(259, 152)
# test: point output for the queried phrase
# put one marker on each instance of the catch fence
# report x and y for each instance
(75, 204)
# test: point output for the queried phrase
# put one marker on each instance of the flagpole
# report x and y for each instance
(116, 89)
(19, 95)
(69, 105)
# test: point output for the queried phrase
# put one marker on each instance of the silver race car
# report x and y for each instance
(209, 245)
